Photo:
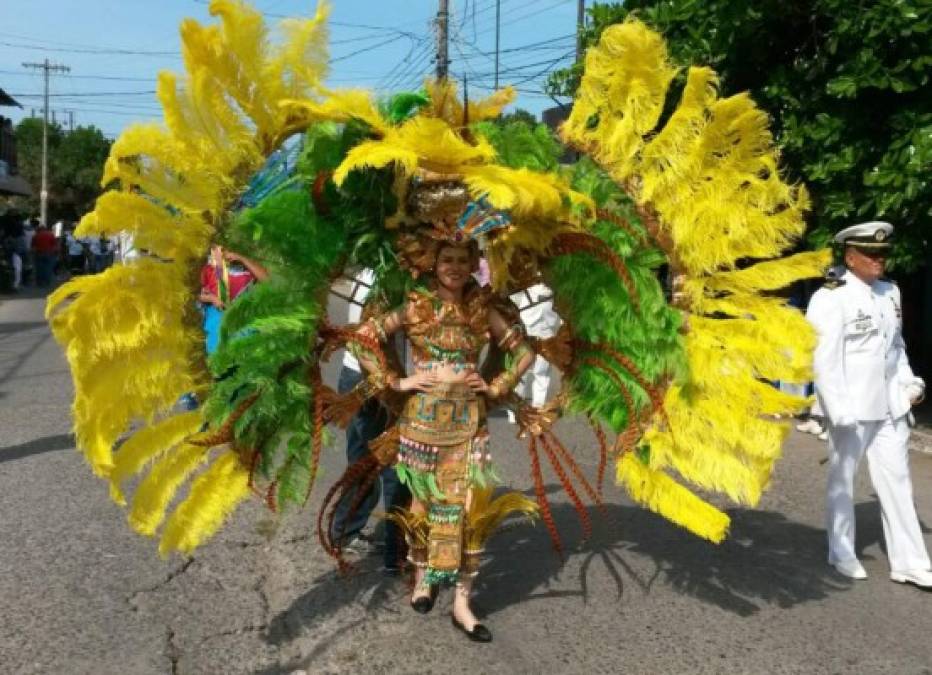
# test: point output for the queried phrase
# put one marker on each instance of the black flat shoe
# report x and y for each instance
(422, 605)
(425, 603)
(479, 633)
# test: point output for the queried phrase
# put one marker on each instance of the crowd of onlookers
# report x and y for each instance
(35, 254)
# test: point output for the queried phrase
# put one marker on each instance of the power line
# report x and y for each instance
(86, 77)
(136, 114)
(413, 66)
(422, 44)
(344, 24)
(57, 43)
(364, 50)
(76, 50)
(510, 18)
(89, 93)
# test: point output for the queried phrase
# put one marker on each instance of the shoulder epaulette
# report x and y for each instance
(832, 284)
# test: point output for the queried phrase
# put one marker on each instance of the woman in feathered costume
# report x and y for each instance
(441, 439)
(682, 384)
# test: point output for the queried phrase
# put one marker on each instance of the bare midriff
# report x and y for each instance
(447, 372)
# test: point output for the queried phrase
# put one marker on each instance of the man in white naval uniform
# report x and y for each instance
(541, 321)
(866, 388)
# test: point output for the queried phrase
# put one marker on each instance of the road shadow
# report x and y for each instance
(767, 560)
(37, 446)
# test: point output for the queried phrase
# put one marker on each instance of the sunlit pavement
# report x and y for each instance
(82, 594)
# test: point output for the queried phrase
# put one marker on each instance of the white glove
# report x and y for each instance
(915, 391)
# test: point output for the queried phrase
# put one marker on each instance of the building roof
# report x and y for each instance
(14, 185)
(6, 99)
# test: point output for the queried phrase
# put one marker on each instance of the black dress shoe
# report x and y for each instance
(479, 633)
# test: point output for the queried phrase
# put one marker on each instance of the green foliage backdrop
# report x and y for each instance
(76, 164)
(846, 84)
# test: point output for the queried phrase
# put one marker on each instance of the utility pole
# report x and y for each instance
(443, 20)
(580, 25)
(47, 68)
(498, 31)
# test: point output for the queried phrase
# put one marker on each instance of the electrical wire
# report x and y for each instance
(89, 93)
(82, 77)
(76, 50)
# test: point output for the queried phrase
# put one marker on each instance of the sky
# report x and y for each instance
(115, 48)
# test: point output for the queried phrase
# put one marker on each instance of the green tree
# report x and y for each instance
(520, 115)
(75, 162)
(29, 156)
(79, 165)
(846, 85)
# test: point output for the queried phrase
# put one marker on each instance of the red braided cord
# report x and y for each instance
(654, 392)
(580, 242)
(568, 458)
(584, 519)
(603, 453)
(317, 436)
(224, 434)
(621, 223)
(353, 474)
(545, 513)
(633, 426)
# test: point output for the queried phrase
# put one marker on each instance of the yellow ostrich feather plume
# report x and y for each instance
(708, 184)
(130, 333)
(484, 516)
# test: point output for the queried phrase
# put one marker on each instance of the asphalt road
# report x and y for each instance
(80, 593)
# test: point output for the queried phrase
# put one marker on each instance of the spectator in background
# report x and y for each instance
(223, 278)
(29, 265)
(45, 248)
(11, 244)
(125, 250)
(366, 425)
(18, 252)
(541, 321)
(77, 259)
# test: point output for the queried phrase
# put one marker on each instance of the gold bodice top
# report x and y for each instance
(447, 331)
(452, 332)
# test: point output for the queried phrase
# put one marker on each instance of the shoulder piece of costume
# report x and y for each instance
(676, 391)
(832, 283)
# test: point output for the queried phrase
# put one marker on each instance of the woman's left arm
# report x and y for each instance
(511, 339)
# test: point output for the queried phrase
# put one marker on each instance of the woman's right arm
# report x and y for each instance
(370, 336)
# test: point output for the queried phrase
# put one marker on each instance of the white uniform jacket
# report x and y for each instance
(861, 369)
(536, 307)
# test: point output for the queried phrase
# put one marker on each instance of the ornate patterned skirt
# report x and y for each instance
(444, 449)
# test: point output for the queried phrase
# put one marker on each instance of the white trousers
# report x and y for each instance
(885, 443)
(535, 382)
(17, 263)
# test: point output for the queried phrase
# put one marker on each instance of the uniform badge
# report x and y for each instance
(862, 323)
